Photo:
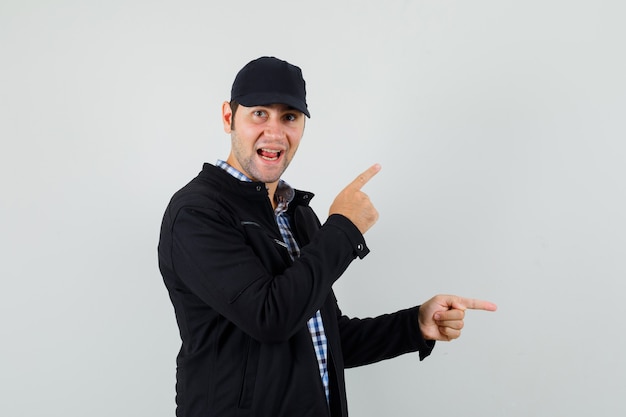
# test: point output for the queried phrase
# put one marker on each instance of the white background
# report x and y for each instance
(500, 126)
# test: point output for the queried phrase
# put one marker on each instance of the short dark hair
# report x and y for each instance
(234, 105)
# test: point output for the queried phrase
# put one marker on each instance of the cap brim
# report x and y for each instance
(264, 99)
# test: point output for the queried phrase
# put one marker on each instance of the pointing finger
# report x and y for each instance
(367, 175)
(473, 304)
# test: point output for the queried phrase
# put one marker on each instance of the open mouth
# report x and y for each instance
(269, 154)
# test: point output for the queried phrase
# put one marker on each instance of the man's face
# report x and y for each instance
(264, 140)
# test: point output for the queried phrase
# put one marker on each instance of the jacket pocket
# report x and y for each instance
(249, 373)
(269, 247)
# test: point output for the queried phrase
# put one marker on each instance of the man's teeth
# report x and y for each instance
(268, 154)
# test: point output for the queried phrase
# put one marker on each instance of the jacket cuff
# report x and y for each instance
(425, 347)
(352, 233)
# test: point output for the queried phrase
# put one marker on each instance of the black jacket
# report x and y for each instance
(242, 304)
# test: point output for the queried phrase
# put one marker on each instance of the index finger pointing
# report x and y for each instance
(367, 175)
(474, 304)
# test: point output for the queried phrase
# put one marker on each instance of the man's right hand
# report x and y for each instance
(354, 204)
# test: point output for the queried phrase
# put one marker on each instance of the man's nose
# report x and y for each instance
(274, 128)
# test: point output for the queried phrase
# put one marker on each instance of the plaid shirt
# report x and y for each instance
(284, 195)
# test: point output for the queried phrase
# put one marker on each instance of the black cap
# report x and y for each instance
(269, 80)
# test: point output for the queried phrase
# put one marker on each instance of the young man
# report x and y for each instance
(250, 268)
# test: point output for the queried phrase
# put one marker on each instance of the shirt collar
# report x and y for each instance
(232, 171)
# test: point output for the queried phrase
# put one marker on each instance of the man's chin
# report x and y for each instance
(270, 175)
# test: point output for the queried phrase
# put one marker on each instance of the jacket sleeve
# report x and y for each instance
(214, 258)
(369, 340)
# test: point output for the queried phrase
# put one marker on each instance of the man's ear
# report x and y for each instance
(227, 116)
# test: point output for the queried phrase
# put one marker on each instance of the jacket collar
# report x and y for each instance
(250, 189)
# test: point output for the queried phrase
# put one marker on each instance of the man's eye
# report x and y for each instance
(259, 113)
(290, 117)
